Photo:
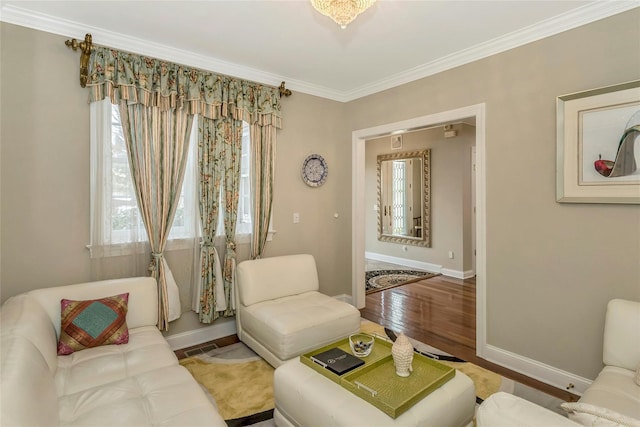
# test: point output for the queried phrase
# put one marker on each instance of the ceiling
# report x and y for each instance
(392, 43)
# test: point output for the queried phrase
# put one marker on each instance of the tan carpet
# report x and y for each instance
(239, 380)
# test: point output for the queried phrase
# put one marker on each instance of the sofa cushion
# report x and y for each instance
(271, 278)
(615, 389)
(146, 350)
(167, 396)
(596, 416)
(293, 325)
(91, 323)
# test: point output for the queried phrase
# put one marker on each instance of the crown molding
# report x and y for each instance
(569, 20)
(564, 22)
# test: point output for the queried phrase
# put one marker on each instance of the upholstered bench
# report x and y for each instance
(304, 397)
(281, 314)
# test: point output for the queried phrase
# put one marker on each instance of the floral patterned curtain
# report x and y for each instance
(130, 79)
(219, 151)
(153, 82)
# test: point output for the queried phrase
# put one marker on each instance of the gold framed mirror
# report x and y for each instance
(404, 198)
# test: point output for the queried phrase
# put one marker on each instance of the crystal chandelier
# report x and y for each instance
(342, 11)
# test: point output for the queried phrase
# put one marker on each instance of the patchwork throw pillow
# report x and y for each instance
(91, 323)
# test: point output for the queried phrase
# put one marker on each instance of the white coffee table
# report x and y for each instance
(305, 398)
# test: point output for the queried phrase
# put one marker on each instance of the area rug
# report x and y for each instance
(379, 280)
(240, 382)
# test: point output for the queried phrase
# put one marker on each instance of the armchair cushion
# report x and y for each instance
(506, 410)
(621, 345)
(615, 389)
(292, 325)
(272, 278)
(597, 416)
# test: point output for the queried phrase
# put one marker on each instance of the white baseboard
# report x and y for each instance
(221, 328)
(427, 266)
(434, 268)
(457, 274)
(537, 370)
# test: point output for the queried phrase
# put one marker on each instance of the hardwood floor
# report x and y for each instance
(441, 312)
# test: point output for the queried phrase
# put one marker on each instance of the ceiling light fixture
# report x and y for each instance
(342, 11)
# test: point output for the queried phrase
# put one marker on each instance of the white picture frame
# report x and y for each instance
(590, 126)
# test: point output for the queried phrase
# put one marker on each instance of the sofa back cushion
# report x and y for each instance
(271, 278)
(622, 334)
(143, 298)
(27, 351)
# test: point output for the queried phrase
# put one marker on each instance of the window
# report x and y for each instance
(115, 218)
(399, 182)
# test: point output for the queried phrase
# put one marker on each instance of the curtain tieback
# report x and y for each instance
(206, 242)
(155, 260)
(231, 246)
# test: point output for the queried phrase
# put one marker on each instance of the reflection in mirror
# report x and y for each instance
(404, 189)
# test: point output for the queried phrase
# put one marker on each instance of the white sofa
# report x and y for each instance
(612, 400)
(135, 384)
(281, 314)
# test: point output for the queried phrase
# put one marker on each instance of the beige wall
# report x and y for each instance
(450, 181)
(550, 267)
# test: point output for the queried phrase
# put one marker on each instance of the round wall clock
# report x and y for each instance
(314, 170)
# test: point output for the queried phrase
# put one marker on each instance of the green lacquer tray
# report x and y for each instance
(376, 381)
(381, 349)
(379, 385)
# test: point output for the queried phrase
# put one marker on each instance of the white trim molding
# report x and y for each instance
(457, 274)
(540, 371)
(420, 265)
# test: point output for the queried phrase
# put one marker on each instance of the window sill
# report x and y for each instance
(124, 249)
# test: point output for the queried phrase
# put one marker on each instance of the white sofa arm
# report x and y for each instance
(142, 306)
(622, 334)
(506, 410)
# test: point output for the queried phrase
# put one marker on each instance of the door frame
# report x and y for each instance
(358, 139)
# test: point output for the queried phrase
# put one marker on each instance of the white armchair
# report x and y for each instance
(612, 400)
(279, 312)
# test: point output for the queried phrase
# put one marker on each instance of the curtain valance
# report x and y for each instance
(138, 79)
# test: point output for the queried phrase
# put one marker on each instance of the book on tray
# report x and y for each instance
(337, 360)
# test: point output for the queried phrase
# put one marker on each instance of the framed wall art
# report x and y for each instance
(598, 145)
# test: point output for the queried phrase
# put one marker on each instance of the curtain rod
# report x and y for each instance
(85, 52)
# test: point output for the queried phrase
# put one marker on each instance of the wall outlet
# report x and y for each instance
(450, 254)
(296, 217)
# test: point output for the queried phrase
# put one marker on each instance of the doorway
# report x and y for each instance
(359, 137)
